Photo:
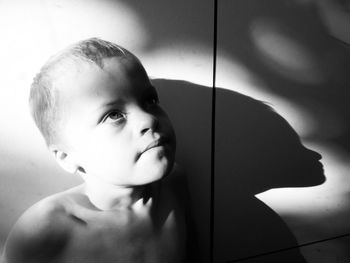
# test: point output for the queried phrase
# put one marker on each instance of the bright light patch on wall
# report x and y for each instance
(284, 54)
(112, 20)
(235, 77)
(336, 17)
(188, 61)
(40, 28)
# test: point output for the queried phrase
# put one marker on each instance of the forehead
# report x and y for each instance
(87, 85)
(86, 78)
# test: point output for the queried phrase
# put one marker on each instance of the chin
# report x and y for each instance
(155, 174)
(148, 178)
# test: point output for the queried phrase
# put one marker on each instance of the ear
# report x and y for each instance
(65, 160)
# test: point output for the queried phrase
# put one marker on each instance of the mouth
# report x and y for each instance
(320, 166)
(157, 143)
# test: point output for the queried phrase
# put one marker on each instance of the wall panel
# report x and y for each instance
(271, 191)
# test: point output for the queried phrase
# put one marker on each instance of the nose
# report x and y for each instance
(313, 154)
(145, 122)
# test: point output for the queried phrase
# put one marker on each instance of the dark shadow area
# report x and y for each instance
(255, 150)
(189, 108)
(288, 49)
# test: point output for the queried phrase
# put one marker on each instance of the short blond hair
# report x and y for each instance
(44, 97)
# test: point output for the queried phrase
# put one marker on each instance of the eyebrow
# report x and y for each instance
(111, 103)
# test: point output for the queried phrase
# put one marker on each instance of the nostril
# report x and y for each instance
(150, 125)
(145, 130)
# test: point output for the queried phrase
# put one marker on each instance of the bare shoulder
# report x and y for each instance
(41, 233)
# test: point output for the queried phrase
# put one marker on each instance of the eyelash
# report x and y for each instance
(153, 101)
(121, 116)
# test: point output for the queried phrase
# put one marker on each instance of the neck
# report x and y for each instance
(105, 196)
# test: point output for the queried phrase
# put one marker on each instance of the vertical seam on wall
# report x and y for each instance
(212, 157)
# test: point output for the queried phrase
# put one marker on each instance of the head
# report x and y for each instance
(261, 147)
(100, 115)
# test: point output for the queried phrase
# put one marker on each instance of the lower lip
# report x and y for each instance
(162, 147)
(154, 147)
(156, 150)
(319, 167)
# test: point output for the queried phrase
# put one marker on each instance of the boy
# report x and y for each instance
(100, 117)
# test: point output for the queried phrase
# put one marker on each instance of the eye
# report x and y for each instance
(114, 117)
(152, 101)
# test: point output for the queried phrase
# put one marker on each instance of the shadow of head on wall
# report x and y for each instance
(255, 150)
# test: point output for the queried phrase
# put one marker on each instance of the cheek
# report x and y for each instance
(107, 152)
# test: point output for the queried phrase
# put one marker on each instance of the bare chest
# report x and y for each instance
(127, 237)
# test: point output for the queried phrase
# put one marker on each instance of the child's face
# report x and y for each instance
(114, 128)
